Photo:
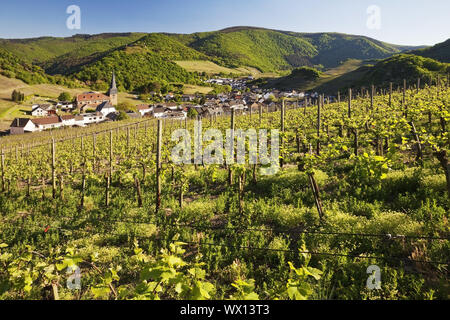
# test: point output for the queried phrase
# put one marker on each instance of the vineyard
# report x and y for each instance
(363, 181)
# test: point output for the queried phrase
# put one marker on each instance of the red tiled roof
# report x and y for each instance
(143, 107)
(92, 96)
(68, 117)
(46, 120)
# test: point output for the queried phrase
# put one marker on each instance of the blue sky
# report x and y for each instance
(413, 22)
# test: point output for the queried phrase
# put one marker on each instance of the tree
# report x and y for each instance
(122, 116)
(17, 96)
(126, 106)
(65, 96)
(192, 113)
(272, 98)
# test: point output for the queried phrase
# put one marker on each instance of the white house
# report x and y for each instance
(106, 108)
(65, 106)
(47, 123)
(41, 110)
(159, 112)
(144, 109)
(97, 117)
(22, 125)
(68, 120)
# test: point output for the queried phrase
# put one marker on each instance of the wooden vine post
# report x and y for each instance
(318, 125)
(128, 139)
(53, 169)
(110, 153)
(306, 105)
(3, 170)
(158, 166)
(372, 94)
(138, 190)
(418, 142)
(282, 132)
(61, 187)
(241, 192)
(315, 190)
(232, 126)
(83, 185)
(349, 108)
(390, 95)
(260, 114)
(404, 99)
(94, 142)
(350, 103)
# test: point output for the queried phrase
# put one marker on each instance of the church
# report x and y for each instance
(94, 99)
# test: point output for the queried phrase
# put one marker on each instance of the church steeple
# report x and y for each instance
(113, 87)
(113, 92)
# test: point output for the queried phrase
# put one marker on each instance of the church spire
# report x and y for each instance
(113, 92)
(113, 87)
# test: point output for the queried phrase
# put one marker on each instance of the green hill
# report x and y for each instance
(140, 58)
(271, 50)
(265, 50)
(393, 69)
(159, 44)
(44, 49)
(335, 48)
(133, 70)
(440, 52)
(14, 67)
(404, 66)
(302, 77)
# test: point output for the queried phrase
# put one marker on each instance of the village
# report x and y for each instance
(93, 107)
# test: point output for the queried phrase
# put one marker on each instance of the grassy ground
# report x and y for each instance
(34, 94)
(191, 89)
(40, 93)
(330, 81)
(206, 66)
(212, 68)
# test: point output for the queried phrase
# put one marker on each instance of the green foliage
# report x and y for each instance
(17, 96)
(145, 57)
(122, 116)
(65, 96)
(306, 72)
(192, 113)
(12, 66)
(235, 239)
(404, 66)
(298, 287)
(59, 53)
(440, 52)
(134, 71)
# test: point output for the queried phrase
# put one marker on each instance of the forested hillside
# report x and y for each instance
(141, 58)
(440, 52)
